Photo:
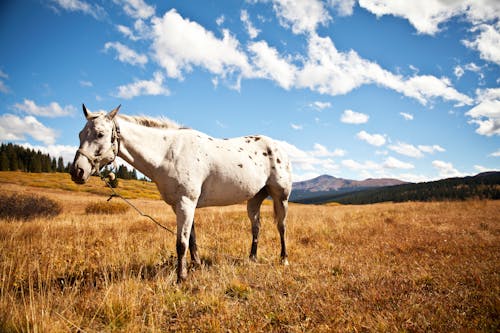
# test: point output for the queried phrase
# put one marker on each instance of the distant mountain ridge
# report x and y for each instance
(326, 184)
(481, 186)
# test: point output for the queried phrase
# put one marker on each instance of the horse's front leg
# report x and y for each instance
(184, 211)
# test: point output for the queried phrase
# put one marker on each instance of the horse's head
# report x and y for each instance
(99, 144)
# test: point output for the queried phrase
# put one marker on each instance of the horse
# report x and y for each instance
(190, 169)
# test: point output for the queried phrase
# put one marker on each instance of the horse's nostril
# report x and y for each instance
(80, 173)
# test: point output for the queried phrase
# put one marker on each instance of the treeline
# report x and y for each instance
(18, 158)
(482, 186)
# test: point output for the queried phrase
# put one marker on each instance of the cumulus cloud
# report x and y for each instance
(495, 154)
(52, 110)
(144, 87)
(311, 163)
(251, 30)
(486, 113)
(487, 42)
(296, 126)
(427, 17)
(65, 151)
(301, 15)
(137, 9)
(352, 117)
(431, 149)
(177, 41)
(269, 64)
(125, 54)
(14, 128)
(328, 71)
(95, 11)
(406, 149)
(373, 139)
(322, 151)
(394, 163)
(481, 168)
(446, 169)
(343, 7)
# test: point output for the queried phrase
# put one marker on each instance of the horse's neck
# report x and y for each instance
(140, 147)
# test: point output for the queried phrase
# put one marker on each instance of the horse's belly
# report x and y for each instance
(228, 191)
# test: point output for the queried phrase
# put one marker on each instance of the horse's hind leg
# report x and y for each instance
(193, 249)
(253, 210)
(280, 203)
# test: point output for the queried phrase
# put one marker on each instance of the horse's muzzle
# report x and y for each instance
(77, 175)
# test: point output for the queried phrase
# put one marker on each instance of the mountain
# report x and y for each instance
(481, 186)
(328, 185)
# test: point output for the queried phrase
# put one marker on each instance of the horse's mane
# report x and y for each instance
(152, 122)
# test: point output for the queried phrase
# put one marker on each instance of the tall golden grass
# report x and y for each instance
(388, 267)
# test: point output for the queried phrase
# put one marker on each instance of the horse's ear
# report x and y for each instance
(113, 113)
(86, 112)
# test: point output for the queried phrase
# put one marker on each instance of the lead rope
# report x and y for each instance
(114, 194)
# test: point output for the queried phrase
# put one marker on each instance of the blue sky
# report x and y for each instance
(354, 89)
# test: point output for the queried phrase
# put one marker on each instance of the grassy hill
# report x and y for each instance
(128, 188)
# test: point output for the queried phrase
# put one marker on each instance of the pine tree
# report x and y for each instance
(4, 162)
(60, 165)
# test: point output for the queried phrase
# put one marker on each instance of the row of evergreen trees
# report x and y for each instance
(18, 158)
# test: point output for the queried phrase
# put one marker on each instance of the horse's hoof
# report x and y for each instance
(253, 258)
(284, 262)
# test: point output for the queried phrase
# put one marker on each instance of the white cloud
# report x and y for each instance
(486, 113)
(481, 168)
(296, 127)
(343, 7)
(431, 149)
(95, 11)
(487, 42)
(328, 71)
(373, 139)
(406, 149)
(144, 87)
(14, 128)
(64, 151)
(220, 20)
(270, 65)
(358, 166)
(309, 164)
(406, 116)
(127, 32)
(322, 151)
(495, 154)
(427, 16)
(446, 169)
(352, 117)
(251, 30)
(177, 43)
(301, 15)
(320, 105)
(52, 110)
(137, 9)
(394, 163)
(458, 71)
(125, 54)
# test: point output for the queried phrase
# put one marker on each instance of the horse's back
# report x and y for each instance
(241, 167)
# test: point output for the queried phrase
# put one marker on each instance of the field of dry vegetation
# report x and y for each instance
(387, 267)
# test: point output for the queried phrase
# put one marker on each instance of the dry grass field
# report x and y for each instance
(407, 267)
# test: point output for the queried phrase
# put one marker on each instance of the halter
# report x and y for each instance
(95, 161)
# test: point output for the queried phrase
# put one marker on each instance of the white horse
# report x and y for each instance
(190, 169)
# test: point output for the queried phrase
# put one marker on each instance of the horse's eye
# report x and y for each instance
(100, 135)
